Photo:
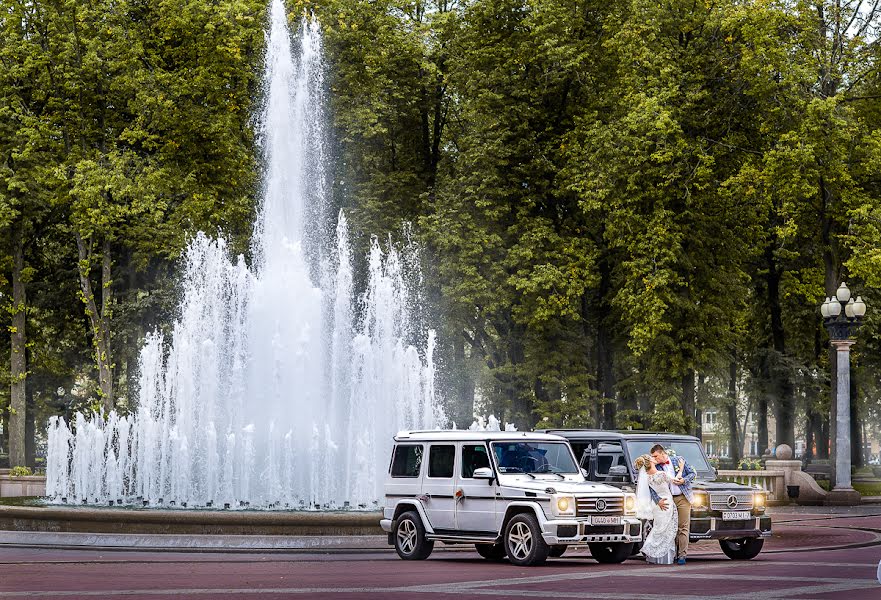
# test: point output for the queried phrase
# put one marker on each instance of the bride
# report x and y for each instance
(659, 546)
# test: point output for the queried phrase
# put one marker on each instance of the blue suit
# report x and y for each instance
(688, 474)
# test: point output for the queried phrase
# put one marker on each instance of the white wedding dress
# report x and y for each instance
(659, 546)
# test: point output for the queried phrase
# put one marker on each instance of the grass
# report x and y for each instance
(868, 489)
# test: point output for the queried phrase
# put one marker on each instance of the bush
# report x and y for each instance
(20, 472)
(750, 464)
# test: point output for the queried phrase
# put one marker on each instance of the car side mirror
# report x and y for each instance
(483, 473)
(584, 472)
(619, 471)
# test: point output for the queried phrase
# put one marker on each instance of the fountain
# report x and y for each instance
(278, 387)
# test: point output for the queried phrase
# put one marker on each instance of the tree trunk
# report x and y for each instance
(688, 400)
(699, 403)
(99, 321)
(856, 439)
(736, 441)
(810, 436)
(762, 424)
(832, 267)
(781, 382)
(606, 376)
(823, 437)
(4, 436)
(18, 356)
(605, 364)
(30, 430)
(465, 406)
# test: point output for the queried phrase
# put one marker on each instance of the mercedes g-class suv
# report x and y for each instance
(731, 513)
(515, 494)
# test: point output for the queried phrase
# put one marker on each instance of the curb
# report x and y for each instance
(191, 543)
(124, 521)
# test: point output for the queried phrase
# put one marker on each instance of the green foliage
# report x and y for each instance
(750, 464)
(669, 416)
(617, 200)
(126, 125)
(20, 472)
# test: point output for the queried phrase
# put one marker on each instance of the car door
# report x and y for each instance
(582, 449)
(609, 456)
(476, 509)
(439, 486)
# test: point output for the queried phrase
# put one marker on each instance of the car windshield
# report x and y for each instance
(690, 451)
(534, 457)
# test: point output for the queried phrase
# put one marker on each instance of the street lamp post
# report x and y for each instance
(842, 316)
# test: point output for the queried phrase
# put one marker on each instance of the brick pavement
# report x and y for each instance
(817, 554)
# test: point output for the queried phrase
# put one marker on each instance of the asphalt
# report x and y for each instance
(816, 553)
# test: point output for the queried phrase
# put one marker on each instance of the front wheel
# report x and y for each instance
(743, 548)
(410, 542)
(524, 544)
(491, 552)
(611, 554)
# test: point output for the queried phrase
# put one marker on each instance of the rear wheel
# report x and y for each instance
(524, 544)
(743, 548)
(410, 542)
(557, 550)
(608, 553)
(493, 552)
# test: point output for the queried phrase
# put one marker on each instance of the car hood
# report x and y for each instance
(544, 485)
(720, 486)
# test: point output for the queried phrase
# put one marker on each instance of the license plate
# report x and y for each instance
(605, 520)
(735, 516)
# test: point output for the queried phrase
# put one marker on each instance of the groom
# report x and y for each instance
(682, 497)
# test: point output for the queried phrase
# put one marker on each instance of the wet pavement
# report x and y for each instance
(816, 553)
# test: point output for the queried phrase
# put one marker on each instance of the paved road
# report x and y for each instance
(814, 555)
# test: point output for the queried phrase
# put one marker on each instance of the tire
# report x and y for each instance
(742, 549)
(611, 553)
(557, 550)
(491, 552)
(523, 542)
(409, 537)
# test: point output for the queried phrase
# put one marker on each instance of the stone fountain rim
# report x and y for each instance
(194, 516)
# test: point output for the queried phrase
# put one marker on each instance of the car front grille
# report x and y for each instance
(588, 506)
(720, 501)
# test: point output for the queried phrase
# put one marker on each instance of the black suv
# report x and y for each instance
(732, 513)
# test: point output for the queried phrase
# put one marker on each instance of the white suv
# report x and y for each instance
(513, 494)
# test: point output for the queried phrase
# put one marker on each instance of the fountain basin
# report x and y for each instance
(28, 485)
(37, 517)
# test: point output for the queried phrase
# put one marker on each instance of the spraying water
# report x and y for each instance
(275, 390)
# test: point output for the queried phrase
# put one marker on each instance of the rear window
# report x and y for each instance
(440, 461)
(407, 461)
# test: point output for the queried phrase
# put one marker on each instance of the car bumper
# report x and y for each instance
(386, 525)
(714, 528)
(580, 531)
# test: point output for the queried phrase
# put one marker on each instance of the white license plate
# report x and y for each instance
(735, 516)
(605, 520)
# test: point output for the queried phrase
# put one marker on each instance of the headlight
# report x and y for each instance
(700, 500)
(629, 504)
(563, 506)
(759, 501)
